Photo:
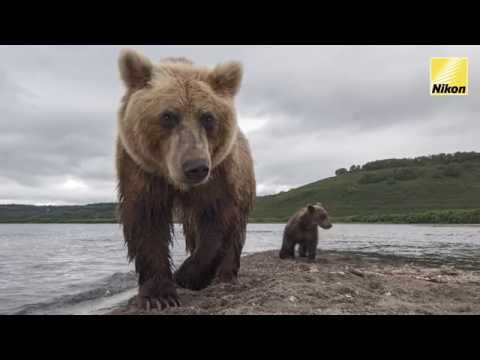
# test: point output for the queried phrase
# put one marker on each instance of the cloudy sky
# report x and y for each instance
(307, 110)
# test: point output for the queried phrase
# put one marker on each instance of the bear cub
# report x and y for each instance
(302, 229)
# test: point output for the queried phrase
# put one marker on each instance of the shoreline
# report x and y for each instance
(337, 282)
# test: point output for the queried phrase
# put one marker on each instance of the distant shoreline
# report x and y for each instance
(433, 189)
(105, 214)
(250, 222)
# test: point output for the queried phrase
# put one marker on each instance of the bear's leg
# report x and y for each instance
(302, 250)
(312, 249)
(228, 270)
(198, 270)
(147, 232)
(155, 279)
(288, 248)
(145, 212)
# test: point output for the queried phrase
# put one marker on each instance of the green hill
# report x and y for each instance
(443, 188)
(92, 213)
(440, 188)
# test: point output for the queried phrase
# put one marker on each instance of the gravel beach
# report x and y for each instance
(334, 283)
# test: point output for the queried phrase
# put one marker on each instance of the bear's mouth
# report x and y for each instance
(193, 183)
(186, 184)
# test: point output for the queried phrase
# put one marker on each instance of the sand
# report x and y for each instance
(335, 283)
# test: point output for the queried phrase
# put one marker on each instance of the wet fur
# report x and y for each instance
(302, 230)
(214, 214)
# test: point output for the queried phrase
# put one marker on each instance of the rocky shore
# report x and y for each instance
(335, 283)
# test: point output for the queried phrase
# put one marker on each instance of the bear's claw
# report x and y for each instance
(149, 304)
(157, 293)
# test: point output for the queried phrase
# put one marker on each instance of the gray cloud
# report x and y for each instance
(307, 110)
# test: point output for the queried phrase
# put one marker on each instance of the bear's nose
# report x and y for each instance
(196, 170)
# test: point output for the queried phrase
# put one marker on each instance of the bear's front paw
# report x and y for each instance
(191, 275)
(159, 294)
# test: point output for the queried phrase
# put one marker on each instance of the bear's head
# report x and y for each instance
(319, 215)
(178, 120)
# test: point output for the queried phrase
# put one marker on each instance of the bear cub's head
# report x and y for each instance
(318, 215)
(178, 120)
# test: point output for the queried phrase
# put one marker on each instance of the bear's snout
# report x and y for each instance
(196, 170)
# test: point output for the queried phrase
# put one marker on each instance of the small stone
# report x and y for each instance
(292, 299)
(388, 293)
(223, 302)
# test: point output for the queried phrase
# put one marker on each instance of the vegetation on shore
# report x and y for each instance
(427, 217)
(92, 213)
(443, 188)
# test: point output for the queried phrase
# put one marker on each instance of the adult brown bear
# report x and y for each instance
(180, 151)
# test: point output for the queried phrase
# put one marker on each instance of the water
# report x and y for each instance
(82, 268)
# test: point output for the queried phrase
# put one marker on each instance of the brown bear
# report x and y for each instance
(302, 229)
(181, 156)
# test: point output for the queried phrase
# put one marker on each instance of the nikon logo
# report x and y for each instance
(445, 89)
(448, 76)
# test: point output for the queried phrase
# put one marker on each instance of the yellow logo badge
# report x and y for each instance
(448, 76)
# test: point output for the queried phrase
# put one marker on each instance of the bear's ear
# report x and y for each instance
(311, 209)
(226, 78)
(135, 69)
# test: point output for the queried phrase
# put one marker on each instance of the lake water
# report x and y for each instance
(82, 268)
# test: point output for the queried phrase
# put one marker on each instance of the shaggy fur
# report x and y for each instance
(152, 150)
(302, 229)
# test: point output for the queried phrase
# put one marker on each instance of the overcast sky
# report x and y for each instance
(307, 110)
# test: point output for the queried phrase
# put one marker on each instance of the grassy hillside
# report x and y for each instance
(401, 188)
(442, 188)
(92, 213)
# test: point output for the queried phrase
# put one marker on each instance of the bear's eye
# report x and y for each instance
(169, 119)
(208, 121)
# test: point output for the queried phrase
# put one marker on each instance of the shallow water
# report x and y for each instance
(77, 268)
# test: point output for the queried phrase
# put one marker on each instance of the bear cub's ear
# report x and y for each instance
(135, 69)
(311, 209)
(226, 78)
